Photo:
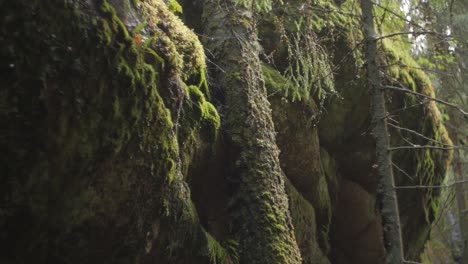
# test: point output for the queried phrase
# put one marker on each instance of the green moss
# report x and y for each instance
(175, 7)
(289, 35)
(303, 219)
(274, 81)
(105, 33)
(200, 123)
(217, 253)
(182, 48)
(427, 165)
(111, 143)
(114, 21)
(203, 84)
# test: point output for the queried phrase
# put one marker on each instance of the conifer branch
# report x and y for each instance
(395, 88)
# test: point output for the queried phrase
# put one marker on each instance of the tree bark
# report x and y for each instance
(460, 190)
(386, 192)
(260, 213)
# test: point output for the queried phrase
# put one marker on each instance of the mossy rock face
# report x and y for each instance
(330, 170)
(107, 121)
(296, 127)
(93, 166)
(346, 114)
(345, 125)
(356, 230)
(288, 35)
(421, 166)
(300, 153)
(199, 124)
(303, 218)
(356, 159)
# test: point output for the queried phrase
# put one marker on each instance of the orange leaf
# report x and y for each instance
(138, 39)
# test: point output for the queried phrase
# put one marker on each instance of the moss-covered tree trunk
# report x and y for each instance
(260, 214)
(386, 191)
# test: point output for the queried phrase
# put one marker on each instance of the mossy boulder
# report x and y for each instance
(356, 230)
(420, 124)
(92, 170)
(303, 218)
(114, 151)
(296, 127)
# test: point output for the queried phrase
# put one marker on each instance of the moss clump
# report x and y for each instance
(174, 7)
(290, 41)
(199, 127)
(219, 254)
(202, 110)
(181, 46)
(274, 81)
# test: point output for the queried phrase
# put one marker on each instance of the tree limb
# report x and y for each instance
(416, 33)
(431, 186)
(395, 88)
(418, 134)
(427, 147)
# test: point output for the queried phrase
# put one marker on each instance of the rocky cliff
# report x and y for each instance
(151, 131)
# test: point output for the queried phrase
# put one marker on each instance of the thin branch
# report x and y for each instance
(416, 33)
(411, 262)
(398, 15)
(330, 10)
(404, 172)
(417, 134)
(395, 88)
(431, 186)
(412, 145)
(418, 68)
(406, 139)
(408, 107)
(427, 147)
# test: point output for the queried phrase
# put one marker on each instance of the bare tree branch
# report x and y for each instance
(411, 262)
(398, 15)
(403, 171)
(407, 107)
(330, 10)
(417, 134)
(400, 64)
(395, 88)
(431, 186)
(427, 147)
(416, 33)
